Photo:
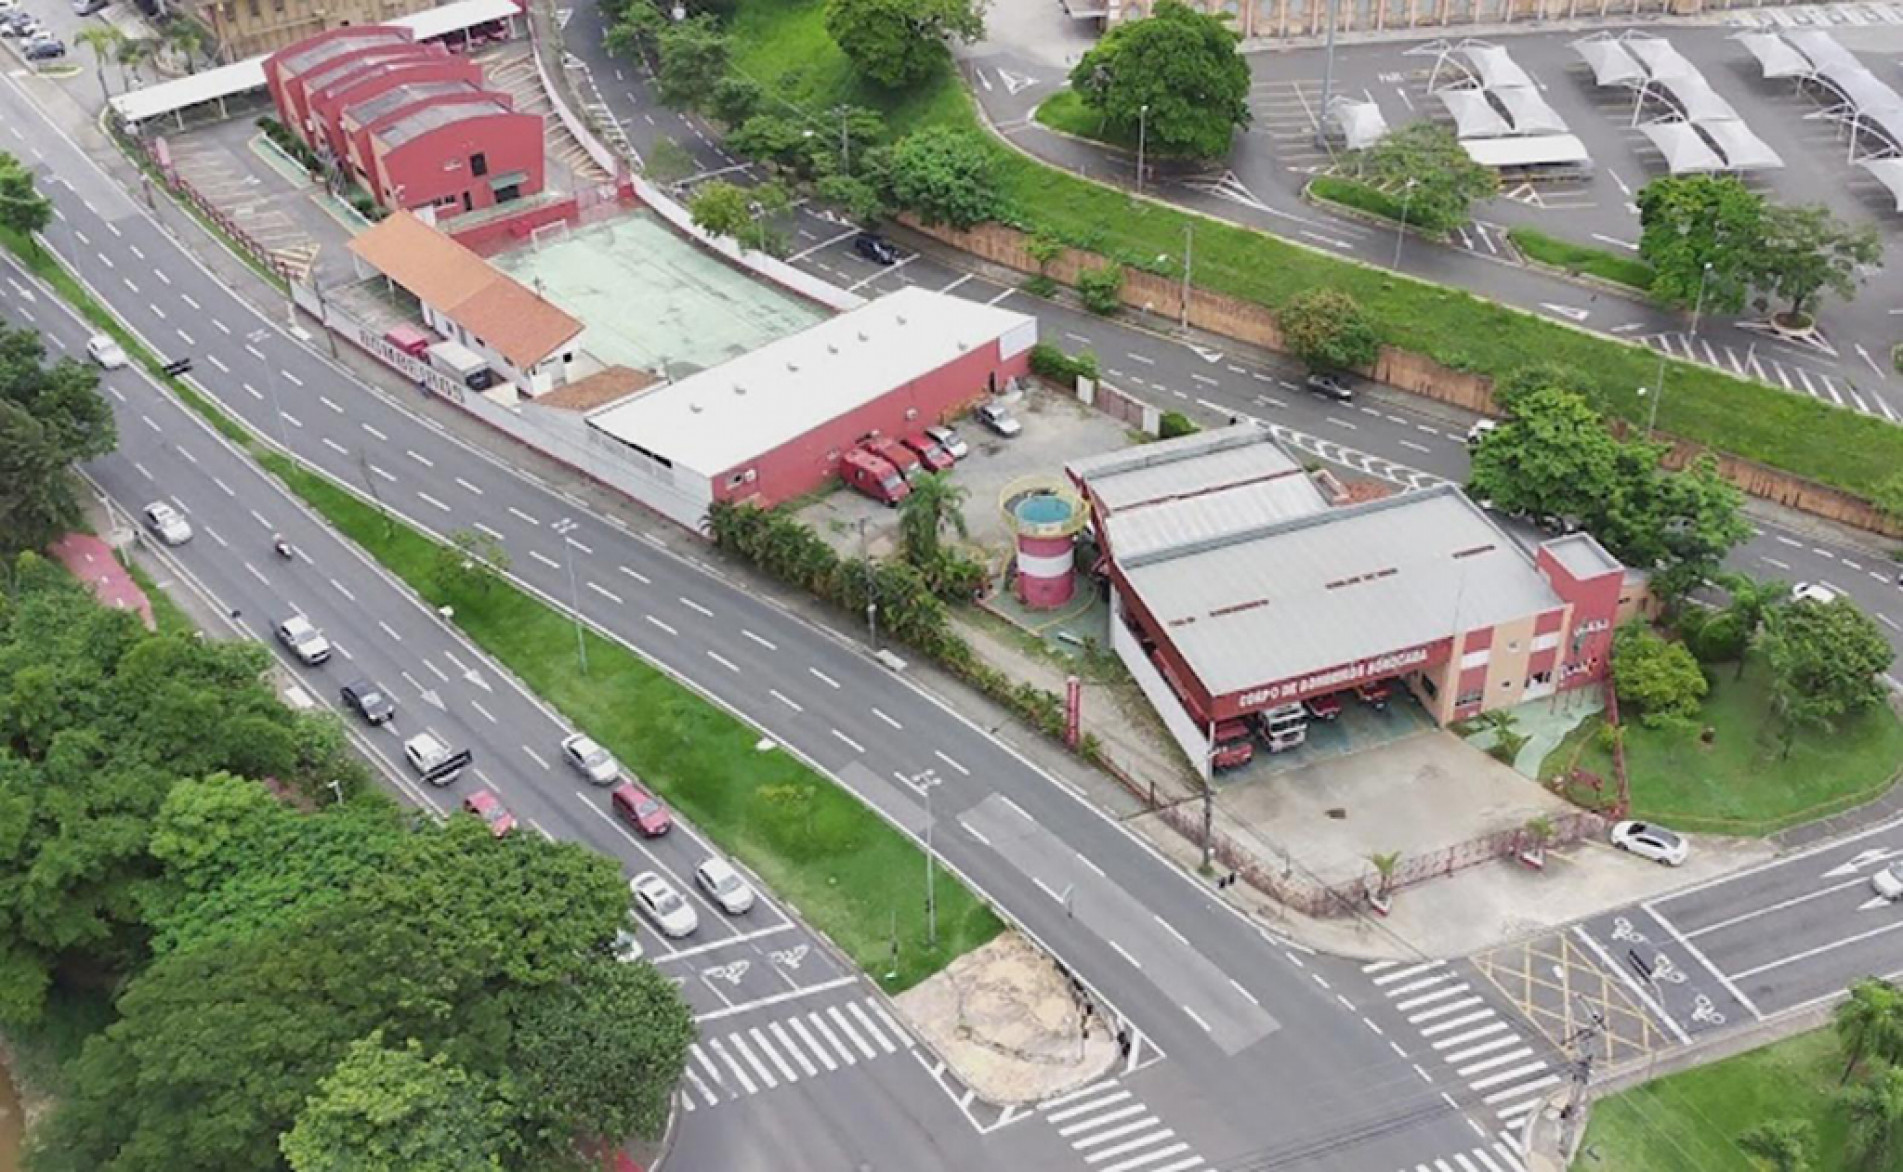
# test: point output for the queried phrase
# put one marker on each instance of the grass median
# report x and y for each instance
(1065, 112)
(1742, 781)
(850, 874)
(1577, 258)
(783, 45)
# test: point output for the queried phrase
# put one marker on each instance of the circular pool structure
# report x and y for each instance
(1045, 513)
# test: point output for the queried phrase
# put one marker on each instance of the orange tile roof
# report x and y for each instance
(604, 386)
(495, 307)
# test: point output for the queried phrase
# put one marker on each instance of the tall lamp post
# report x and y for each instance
(1328, 79)
(1189, 239)
(562, 528)
(1400, 229)
(1657, 391)
(1143, 134)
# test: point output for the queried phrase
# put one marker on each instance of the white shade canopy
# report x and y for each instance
(1474, 115)
(1360, 121)
(1494, 66)
(1686, 153)
(1888, 172)
(1611, 63)
(1743, 150)
(1661, 61)
(1529, 111)
(1821, 49)
(1775, 55)
(1542, 150)
(1694, 95)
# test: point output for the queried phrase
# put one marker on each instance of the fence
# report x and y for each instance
(211, 212)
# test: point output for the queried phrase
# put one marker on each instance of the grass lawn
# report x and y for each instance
(1356, 194)
(1692, 1120)
(170, 618)
(1065, 111)
(1742, 783)
(1577, 258)
(843, 866)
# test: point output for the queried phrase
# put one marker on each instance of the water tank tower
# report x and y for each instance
(1045, 513)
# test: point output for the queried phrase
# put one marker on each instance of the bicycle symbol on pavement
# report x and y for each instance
(1704, 1011)
(1622, 929)
(790, 957)
(730, 973)
(1663, 969)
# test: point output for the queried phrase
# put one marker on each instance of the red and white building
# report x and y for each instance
(1237, 587)
(771, 425)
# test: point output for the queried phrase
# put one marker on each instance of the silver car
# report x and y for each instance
(1888, 882)
(1651, 842)
(167, 522)
(949, 439)
(107, 353)
(590, 760)
(660, 902)
(304, 640)
(999, 419)
(724, 886)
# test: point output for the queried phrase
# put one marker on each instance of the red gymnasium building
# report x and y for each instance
(1236, 582)
(413, 124)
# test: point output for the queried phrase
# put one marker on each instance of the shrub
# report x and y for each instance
(1040, 286)
(1101, 289)
(1175, 423)
(1660, 680)
(1047, 361)
(1328, 330)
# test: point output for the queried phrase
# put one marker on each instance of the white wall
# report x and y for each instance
(1162, 697)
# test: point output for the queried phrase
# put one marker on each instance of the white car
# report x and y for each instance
(999, 419)
(1478, 433)
(1651, 842)
(724, 886)
(1815, 592)
(949, 439)
(660, 902)
(304, 640)
(590, 759)
(170, 525)
(627, 945)
(106, 352)
(433, 760)
(1889, 882)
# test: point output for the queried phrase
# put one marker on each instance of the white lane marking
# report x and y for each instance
(468, 487)
(291, 378)
(425, 461)
(327, 401)
(546, 560)
(291, 419)
(774, 692)
(524, 516)
(389, 630)
(638, 577)
(533, 755)
(855, 746)
(887, 719)
(1171, 929)
(823, 677)
(374, 433)
(723, 661)
(755, 638)
(430, 500)
(606, 593)
(216, 362)
(690, 604)
(481, 528)
(1250, 996)
(949, 761)
(657, 622)
(1124, 953)
(343, 590)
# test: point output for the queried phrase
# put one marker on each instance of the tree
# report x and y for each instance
(1826, 661)
(471, 562)
(1101, 288)
(1385, 864)
(1424, 166)
(861, 200)
(384, 1108)
(1328, 330)
(1805, 250)
(1687, 222)
(1749, 600)
(22, 208)
(1680, 526)
(1660, 680)
(50, 417)
(40, 502)
(694, 54)
(1554, 457)
(636, 33)
(1786, 1145)
(1542, 376)
(1869, 1022)
(133, 53)
(104, 40)
(945, 175)
(1177, 73)
(934, 505)
(734, 99)
(185, 37)
(1875, 1109)
(773, 138)
(721, 207)
(897, 43)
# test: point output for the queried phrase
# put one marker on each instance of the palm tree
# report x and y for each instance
(104, 40)
(1384, 865)
(1875, 1109)
(1787, 1145)
(1870, 1021)
(1751, 601)
(934, 505)
(133, 52)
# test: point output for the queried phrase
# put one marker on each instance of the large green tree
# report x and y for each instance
(1785, 1145)
(1875, 1110)
(388, 1108)
(1328, 330)
(1688, 222)
(694, 54)
(1552, 456)
(50, 417)
(935, 504)
(945, 175)
(897, 43)
(1804, 251)
(1424, 167)
(1176, 76)
(1826, 659)
(1869, 1023)
(1660, 680)
(22, 208)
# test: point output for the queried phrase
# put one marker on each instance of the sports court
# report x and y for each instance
(652, 300)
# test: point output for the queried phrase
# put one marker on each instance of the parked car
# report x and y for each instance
(368, 701)
(896, 454)
(1231, 754)
(47, 49)
(88, 7)
(1374, 694)
(641, 809)
(873, 476)
(1330, 385)
(9, 6)
(488, 807)
(303, 640)
(724, 886)
(1815, 592)
(19, 24)
(1283, 727)
(590, 760)
(875, 248)
(935, 458)
(948, 438)
(167, 522)
(999, 419)
(1888, 882)
(433, 760)
(101, 348)
(1477, 434)
(1650, 842)
(660, 902)
(627, 945)
(1324, 707)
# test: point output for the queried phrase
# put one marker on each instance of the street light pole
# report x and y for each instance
(872, 604)
(1189, 237)
(1698, 306)
(1143, 134)
(1400, 229)
(574, 594)
(931, 895)
(1328, 80)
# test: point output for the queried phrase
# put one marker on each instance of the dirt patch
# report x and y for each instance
(1007, 1022)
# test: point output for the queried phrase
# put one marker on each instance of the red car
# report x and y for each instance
(641, 810)
(935, 458)
(490, 809)
(1234, 745)
(1374, 694)
(1324, 707)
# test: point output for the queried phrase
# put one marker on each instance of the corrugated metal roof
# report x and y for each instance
(1311, 593)
(370, 109)
(298, 64)
(418, 123)
(1582, 556)
(1150, 528)
(1191, 464)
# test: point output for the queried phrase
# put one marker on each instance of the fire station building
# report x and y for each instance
(1238, 587)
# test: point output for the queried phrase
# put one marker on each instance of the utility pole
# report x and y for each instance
(1189, 238)
(562, 528)
(1143, 129)
(872, 603)
(1209, 799)
(1328, 79)
(1582, 1041)
(925, 781)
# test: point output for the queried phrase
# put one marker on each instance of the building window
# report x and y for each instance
(736, 480)
(1427, 685)
(1539, 679)
(479, 164)
(1467, 699)
(1476, 658)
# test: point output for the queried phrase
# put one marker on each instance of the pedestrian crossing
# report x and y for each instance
(1112, 1130)
(1507, 1075)
(1495, 1157)
(1750, 363)
(757, 1059)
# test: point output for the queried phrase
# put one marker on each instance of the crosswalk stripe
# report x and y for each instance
(1430, 998)
(1442, 1166)
(1410, 971)
(713, 1071)
(1085, 1108)
(1525, 1089)
(1423, 983)
(766, 1047)
(1506, 1076)
(1452, 1023)
(1458, 1056)
(766, 1076)
(878, 1037)
(1100, 1119)
(1466, 1165)
(1510, 1113)
(1142, 1141)
(1079, 1093)
(694, 1078)
(845, 1027)
(1378, 966)
(1510, 1156)
(1466, 1036)
(799, 1055)
(1486, 1160)
(905, 1038)
(844, 1051)
(1181, 1165)
(1496, 1060)
(1085, 1143)
(738, 1073)
(819, 1051)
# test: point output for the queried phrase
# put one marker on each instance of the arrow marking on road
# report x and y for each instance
(1863, 859)
(1566, 311)
(1206, 354)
